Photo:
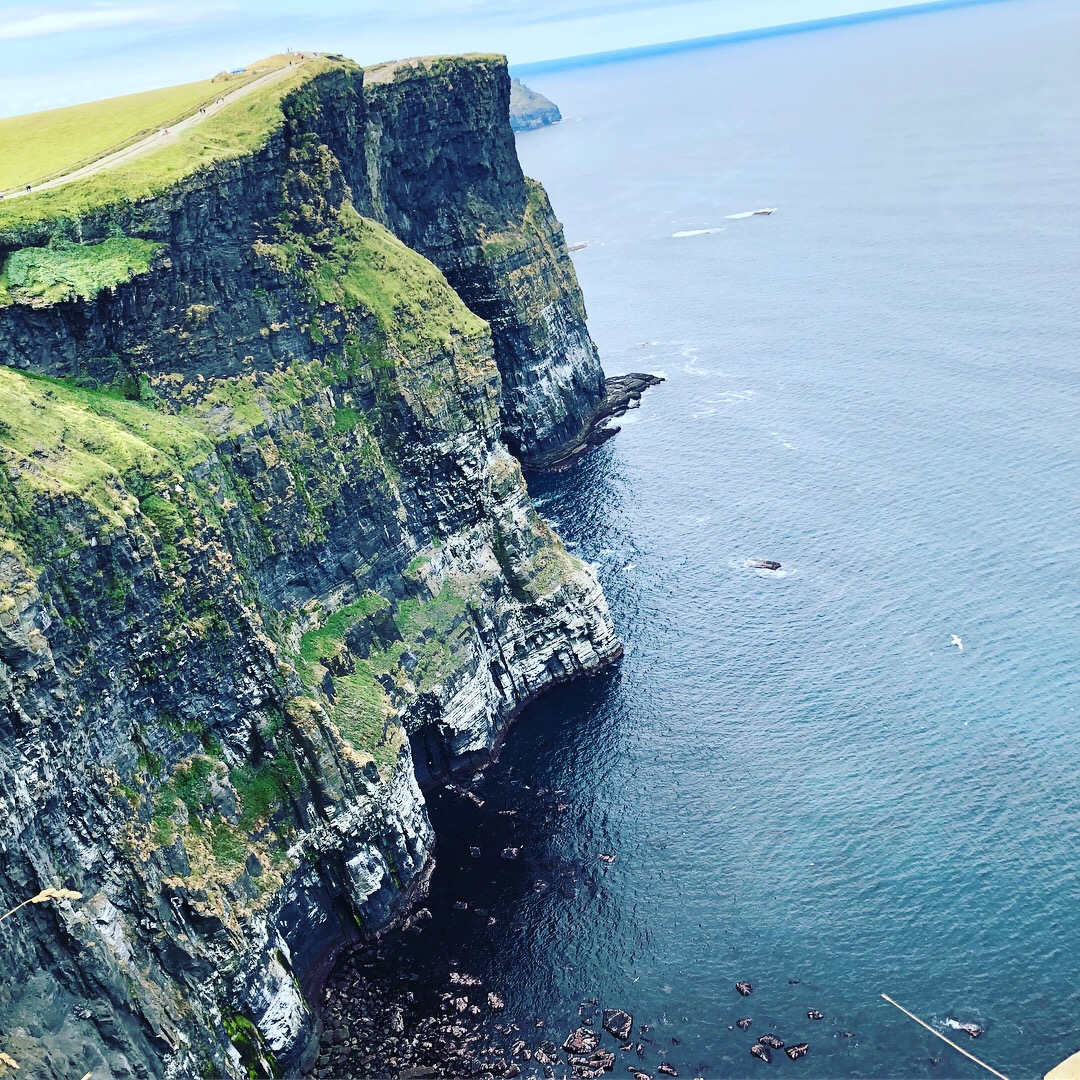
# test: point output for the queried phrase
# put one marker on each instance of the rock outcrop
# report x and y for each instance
(265, 560)
(529, 109)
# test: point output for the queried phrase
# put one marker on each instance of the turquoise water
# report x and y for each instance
(878, 385)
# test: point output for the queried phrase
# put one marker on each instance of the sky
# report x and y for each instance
(59, 52)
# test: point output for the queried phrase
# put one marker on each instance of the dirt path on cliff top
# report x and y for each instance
(153, 142)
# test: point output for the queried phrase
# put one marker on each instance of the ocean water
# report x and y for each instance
(878, 385)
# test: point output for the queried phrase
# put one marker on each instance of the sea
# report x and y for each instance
(858, 774)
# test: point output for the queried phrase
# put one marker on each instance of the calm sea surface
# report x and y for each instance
(878, 385)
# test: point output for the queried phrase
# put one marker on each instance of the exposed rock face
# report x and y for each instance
(529, 110)
(444, 176)
(229, 612)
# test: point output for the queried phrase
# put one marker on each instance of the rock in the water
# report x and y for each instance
(744, 1023)
(618, 1023)
(666, 1069)
(510, 852)
(744, 988)
(495, 1002)
(581, 1041)
(797, 1051)
(772, 1042)
(474, 852)
(760, 1052)
(813, 1014)
(763, 564)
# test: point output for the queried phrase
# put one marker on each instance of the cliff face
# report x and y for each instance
(264, 558)
(530, 110)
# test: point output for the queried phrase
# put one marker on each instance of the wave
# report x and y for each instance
(697, 232)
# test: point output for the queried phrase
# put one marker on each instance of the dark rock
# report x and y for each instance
(760, 1052)
(744, 988)
(813, 1014)
(763, 564)
(666, 1069)
(510, 852)
(474, 852)
(618, 1023)
(973, 1029)
(772, 1042)
(744, 1023)
(798, 1050)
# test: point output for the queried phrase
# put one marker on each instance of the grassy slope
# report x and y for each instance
(38, 145)
(236, 131)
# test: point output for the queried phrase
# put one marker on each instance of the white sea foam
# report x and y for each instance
(697, 232)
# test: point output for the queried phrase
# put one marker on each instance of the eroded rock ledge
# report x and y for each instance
(259, 536)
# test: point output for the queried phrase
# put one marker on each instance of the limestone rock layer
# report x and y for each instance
(265, 559)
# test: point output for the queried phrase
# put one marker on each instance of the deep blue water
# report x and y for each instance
(879, 386)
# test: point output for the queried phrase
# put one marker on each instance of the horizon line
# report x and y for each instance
(637, 52)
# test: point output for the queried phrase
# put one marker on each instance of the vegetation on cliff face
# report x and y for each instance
(233, 581)
(64, 271)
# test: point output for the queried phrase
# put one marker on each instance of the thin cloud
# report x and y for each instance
(23, 23)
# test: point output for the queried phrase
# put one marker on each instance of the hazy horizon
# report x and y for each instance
(62, 53)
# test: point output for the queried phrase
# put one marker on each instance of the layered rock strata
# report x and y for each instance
(259, 537)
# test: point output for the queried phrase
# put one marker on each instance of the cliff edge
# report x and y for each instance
(265, 557)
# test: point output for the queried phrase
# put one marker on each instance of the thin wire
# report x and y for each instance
(943, 1039)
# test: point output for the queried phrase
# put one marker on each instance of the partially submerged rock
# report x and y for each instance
(618, 1023)
(744, 987)
(581, 1041)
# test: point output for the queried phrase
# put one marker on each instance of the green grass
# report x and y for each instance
(437, 631)
(40, 145)
(63, 271)
(324, 642)
(369, 267)
(234, 132)
(70, 441)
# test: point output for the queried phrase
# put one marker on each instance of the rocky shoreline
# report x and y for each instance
(621, 393)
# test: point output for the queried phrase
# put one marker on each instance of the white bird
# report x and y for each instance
(956, 640)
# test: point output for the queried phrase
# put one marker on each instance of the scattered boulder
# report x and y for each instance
(744, 1023)
(618, 1023)
(581, 1041)
(461, 905)
(744, 987)
(495, 1002)
(772, 1042)
(797, 1051)
(847, 1034)
(760, 1052)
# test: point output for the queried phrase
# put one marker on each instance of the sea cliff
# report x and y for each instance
(267, 559)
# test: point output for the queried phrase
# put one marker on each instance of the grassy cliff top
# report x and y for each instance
(239, 128)
(389, 71)
(40, 145)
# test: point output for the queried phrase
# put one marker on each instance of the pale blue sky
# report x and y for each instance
(57, 52)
